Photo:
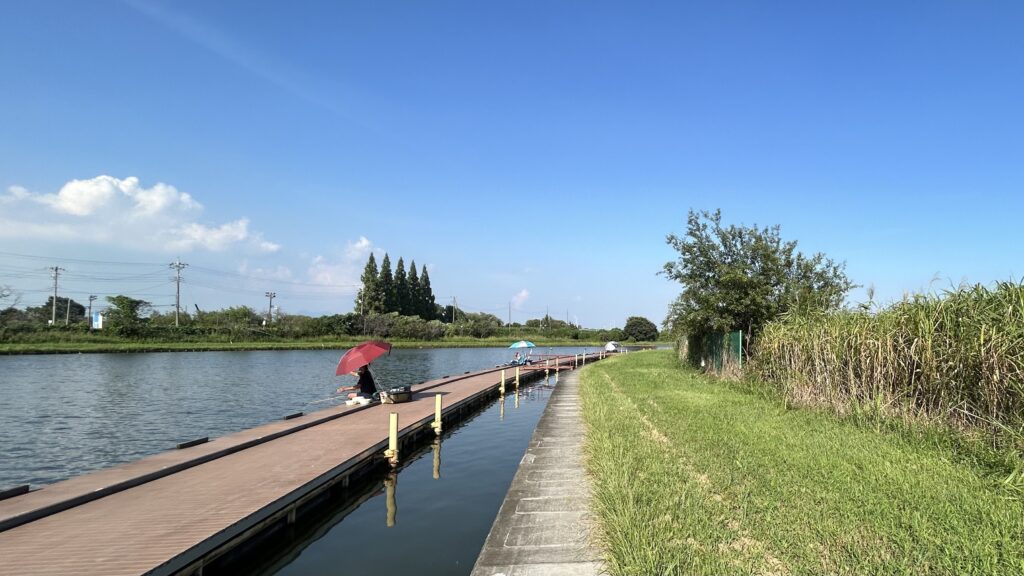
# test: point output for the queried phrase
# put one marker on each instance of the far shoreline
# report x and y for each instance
(18, 349)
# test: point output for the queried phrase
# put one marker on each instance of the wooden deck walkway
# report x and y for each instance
(172, 512)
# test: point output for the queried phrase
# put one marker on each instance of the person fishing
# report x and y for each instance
(365, 385)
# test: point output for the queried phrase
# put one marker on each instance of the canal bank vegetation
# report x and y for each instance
(955, 358)
(695, 475)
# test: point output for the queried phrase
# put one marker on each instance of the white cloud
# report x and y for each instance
(345, 271)
(276, 273)
(520, 298)
(14, 193)
(358, 250)
(83, 197)
(108, 210)
(190, 235)
(87, 197)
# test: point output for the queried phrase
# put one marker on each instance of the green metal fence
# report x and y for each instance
(715, 350)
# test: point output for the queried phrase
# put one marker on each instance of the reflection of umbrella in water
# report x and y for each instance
(523, 344)
(362, 355)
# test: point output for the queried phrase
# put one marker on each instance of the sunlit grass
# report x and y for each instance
(692, 476)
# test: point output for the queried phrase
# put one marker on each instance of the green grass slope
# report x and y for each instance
(692, 476)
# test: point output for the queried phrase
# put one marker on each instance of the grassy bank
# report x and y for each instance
(956, 357)
(106, 345)
(692, 476)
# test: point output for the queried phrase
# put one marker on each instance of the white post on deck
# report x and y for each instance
(436, 425)
(392, 451)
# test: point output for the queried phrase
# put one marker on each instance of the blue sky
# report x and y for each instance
(527, 152)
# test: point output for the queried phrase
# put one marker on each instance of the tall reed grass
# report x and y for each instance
(957, 356)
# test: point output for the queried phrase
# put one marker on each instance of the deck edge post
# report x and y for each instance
(436, 425)
(392, 451)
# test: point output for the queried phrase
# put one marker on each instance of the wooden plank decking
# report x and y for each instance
(166, 513)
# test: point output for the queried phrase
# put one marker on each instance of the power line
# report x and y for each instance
(275, 280)
(50, 258)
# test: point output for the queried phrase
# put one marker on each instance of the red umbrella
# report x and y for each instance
(362, 355)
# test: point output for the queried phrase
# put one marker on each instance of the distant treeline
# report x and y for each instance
(399, 305)
(245, 324)
(133, 319)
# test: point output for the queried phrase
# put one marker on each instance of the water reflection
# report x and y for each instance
(454, 516)
(390, 485)
(437, 458)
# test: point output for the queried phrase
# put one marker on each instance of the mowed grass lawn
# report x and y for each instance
(693, 476)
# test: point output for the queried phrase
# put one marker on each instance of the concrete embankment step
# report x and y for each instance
(544, 526)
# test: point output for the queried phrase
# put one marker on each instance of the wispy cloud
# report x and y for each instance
(343, 271)
(520, 298)
(265, 66)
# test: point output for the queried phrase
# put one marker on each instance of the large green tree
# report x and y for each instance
(427, 302)
(124, 316)
(44, 313)
(414, 295)
(386, 285)
(369, 299)
(740, 278)
(640, 329)
(402, 302)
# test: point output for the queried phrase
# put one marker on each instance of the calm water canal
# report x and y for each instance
(439, 524)
(64, 415)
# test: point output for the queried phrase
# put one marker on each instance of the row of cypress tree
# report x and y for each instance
(383, 292)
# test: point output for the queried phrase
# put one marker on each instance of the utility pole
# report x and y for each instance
(92, 297)
(362, 314)
(455, 311)
(178, 265)
(67, 311)
(270, 306)
(56, 272)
